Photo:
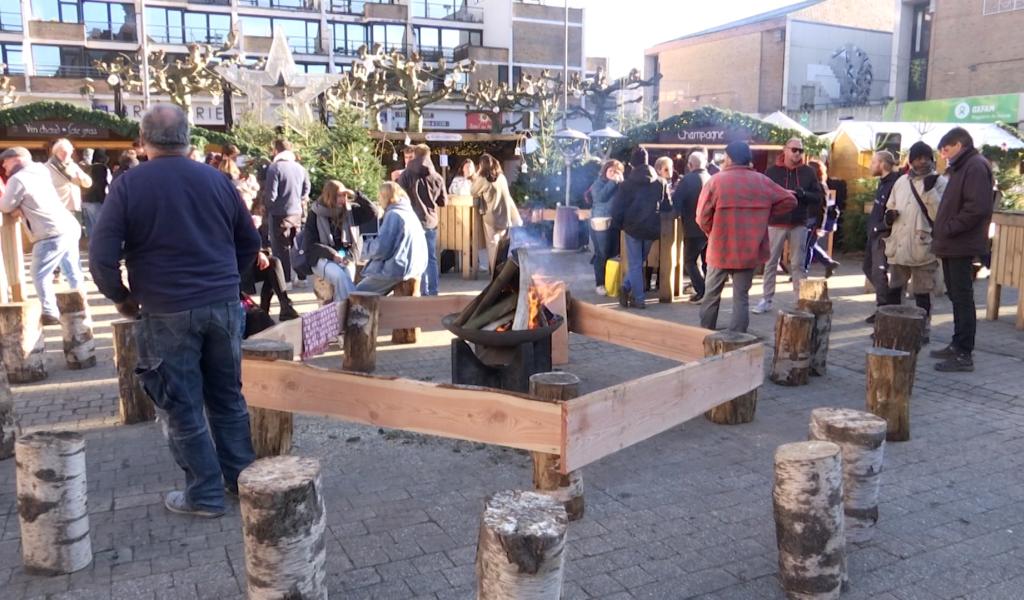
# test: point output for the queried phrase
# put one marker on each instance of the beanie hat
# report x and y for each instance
(638, 158)
(920, 149)
(739, 153)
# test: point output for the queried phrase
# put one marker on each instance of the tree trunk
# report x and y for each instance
(21, 338)
(79, 346)
(861, 436)
(820, 333)
(740, 409)
(900, 327)
(890, 383)
(807, 499)
(359, 339)
(414, 122)
(409, 287)
(271, 429)
(521, 550)
(557, 386)
(814, 288)
(792, 362)
(133, 403)
(8, 421)
(52, 503)
(283, 525)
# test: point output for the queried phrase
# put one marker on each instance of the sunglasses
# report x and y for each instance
(796, 150)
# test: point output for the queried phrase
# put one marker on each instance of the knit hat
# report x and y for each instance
(739, 153)
(638, 158)
(920, 149)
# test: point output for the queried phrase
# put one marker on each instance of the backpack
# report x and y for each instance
(298, 255)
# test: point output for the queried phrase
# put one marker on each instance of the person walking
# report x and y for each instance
(960, 234)
(93, 197)
(287, 186)
(401, 249)
(55, 232)
(819, 224)
(876, 266)
(495, 204)
(734, 210)
(790, 172)
(604, 237)
(638, 200)
(424, 188)
(695, 241)
(910, 216)
(184, 235)
(68, 178)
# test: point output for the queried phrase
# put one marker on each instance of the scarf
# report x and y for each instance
(61, 168)
(325, 216)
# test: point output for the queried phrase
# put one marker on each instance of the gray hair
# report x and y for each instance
(662, 161)
(165, 126)
(886, 157)
(697, 160)
(61, 143)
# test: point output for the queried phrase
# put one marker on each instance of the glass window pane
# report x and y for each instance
(95, 14)
(356, 35)
(220, 27)
(10, 54)
(450, 38)
(475, 38)
(45, 10)
(46, 59)
(69, 12)
(257, 26)
(195, 27)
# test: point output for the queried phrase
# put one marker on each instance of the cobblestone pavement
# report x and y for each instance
(685, 514)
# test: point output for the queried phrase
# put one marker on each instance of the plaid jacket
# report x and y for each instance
(734, 208)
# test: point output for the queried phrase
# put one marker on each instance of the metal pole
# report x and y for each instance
(145, 54)
(565, 93)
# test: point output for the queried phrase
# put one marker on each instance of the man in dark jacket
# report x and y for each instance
(425, 188)
(960, 234)
(876, 267)
(639, 199)
(285, 187)
(793, 174)
(695, 242)
(184, 234)
(92, 197)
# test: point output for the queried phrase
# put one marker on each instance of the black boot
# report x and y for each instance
(288, 311)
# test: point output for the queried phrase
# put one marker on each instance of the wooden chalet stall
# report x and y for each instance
(1007, 263)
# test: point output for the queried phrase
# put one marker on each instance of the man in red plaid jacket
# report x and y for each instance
(733, 209)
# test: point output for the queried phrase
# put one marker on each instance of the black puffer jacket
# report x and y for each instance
(637, 203)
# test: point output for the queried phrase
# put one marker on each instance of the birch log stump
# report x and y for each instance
(521, 550)
(409, 287)
(133, 403)
(22, 342)
(814, 288)
(8, 422)
(792, 362)
(740, 409)
(557, 387)
(79, 346)
(52, 508)
(283, 525)
(359, 337)
(271, 429)
(861, 436)
(808, 506)
(900, 328)
(820, 333)
(890, 375)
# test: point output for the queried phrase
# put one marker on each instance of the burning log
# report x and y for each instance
(502, 283)
(488, 314)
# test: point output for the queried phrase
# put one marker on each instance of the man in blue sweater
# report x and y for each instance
(184, 235)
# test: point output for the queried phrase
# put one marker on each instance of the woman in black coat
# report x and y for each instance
(638, 201)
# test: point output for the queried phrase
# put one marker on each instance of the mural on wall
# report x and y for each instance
(834, 66)
(852, 68)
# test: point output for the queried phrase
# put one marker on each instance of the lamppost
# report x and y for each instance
(603, 137)
(115, 83)
(571, 144)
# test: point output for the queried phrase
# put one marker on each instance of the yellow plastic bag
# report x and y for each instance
(612, 277)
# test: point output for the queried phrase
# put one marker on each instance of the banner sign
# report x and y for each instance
(974, 109)
(55, 129)
(697, 136)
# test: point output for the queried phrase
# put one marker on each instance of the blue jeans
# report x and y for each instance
(428, 284)
(605, 246)
(636, 252)
(190, 365)
(90, 216)
(47, 255)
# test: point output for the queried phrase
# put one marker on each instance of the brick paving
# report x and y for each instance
(685, 514)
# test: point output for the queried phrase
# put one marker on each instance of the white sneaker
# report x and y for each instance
(762, 307)
(600, 291)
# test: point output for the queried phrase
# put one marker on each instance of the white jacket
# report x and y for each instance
(910, 242)
(31, 190)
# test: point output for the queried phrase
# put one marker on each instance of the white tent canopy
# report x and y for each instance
(781, 119)
(865, 133)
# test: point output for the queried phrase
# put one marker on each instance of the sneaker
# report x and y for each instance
(831, 269)
(696, 298)
(232, 492)
(49, 320)
(624, 297)
(870, 320)
(600, 291)
(961, 363)
(176, 503)
(944, 353)
(762, 307)
(639, 304)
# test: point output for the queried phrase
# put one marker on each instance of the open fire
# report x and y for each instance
(505, 306)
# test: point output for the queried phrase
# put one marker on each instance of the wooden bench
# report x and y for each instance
(1007, 263)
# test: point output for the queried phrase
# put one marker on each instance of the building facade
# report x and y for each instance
(49, 46)
(806, 56)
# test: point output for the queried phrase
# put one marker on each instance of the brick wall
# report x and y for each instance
(773, 65)
(539, 43)
(961, 65)
(866, 14)
(724, 68)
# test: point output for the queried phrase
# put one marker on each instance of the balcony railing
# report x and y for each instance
(297, 5)
(435, 53)
(304, 45)
(174, 35)
(103, 30)
(10, 21)
(350, 50)
(14, 69)
(447, 11)
(353, 7)
(70, 71)
(211, 2)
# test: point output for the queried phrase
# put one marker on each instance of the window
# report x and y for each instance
(517, 75)
(281, 4)
(61, 61)
(920, 45)
(10, 55)
(10, 17)
(348, 37)
(206, 28)
(65, 11)
(174, 26)
(450, 10)
(502, 73)
(312, 67)
(390, 37)
(303, 36)
(109, 21)
(437, 42)
(994, 7)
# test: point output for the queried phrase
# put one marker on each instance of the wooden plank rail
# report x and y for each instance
(1007, 263)
(661, 338)
(424, 312)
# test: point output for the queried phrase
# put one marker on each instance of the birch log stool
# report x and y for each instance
(409, 287)
(808, 504)
(557, 387)
(359, 337)
(814, 288)
(8, 422)
(52, 508)
(22, 342)
(890, 375)
(79, 346)
(283, 525)
(521, 550)
(133, 403)
(741, 408)
(861, 436)
(792, 362)
(271, 429)
(820, 332)
(900, 328)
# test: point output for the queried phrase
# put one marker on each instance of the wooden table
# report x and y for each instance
(1007, 263)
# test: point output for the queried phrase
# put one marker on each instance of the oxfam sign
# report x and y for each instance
(976, 109)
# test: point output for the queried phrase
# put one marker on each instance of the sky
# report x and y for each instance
(622, 29)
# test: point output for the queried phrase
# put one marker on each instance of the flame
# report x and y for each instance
(543, 291)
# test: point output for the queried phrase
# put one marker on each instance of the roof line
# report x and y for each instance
(765, 16)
